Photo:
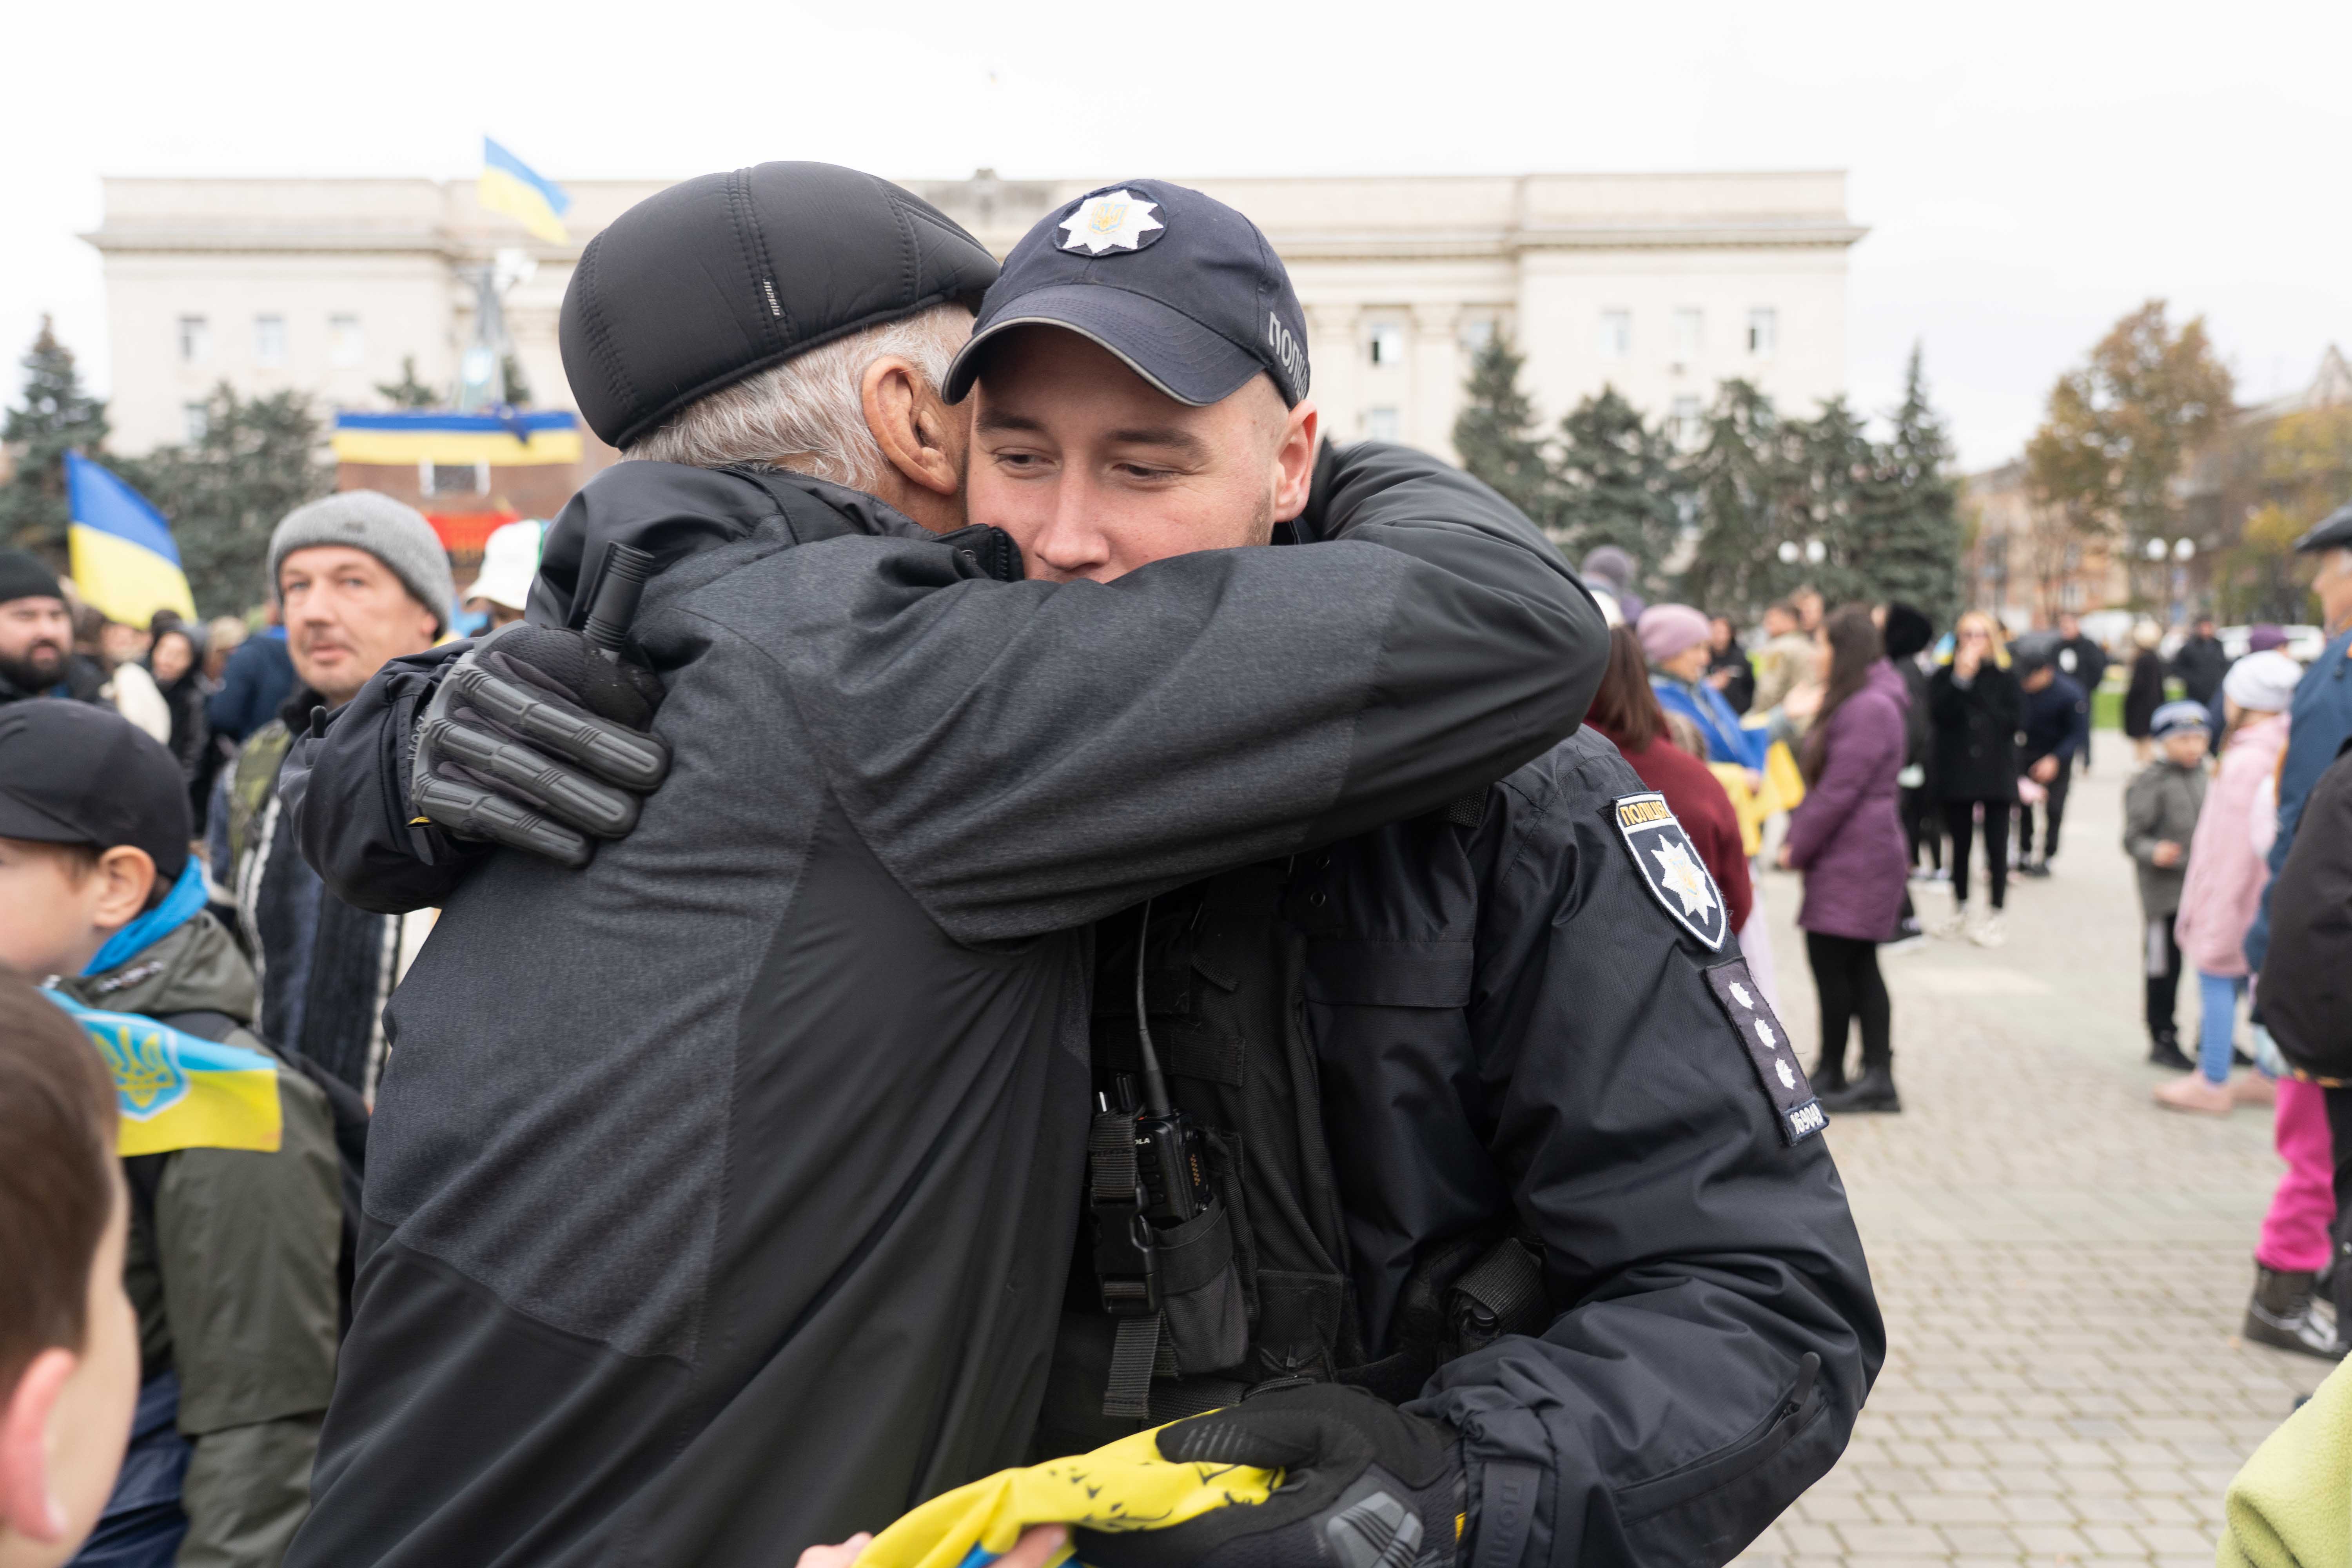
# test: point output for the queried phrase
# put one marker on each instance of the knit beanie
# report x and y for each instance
(1666, 630)
(394, 534)
(1908, 630)
(24, 575)
(2263, 682)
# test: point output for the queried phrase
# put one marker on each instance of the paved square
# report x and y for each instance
(2062, 1266)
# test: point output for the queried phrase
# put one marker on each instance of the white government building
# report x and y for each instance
(1661, 285)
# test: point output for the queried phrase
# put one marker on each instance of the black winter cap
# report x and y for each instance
(723, 276)
(75, 773)
(24, 575)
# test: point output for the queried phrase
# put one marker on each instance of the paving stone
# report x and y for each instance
(2047, 1272)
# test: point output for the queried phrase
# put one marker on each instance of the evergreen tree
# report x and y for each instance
(1740, 478)
(518, 386)
(56, 415)
(258, 461)
(1494, 435)
(1912, 520)
(1838, 491)
(1615, 482)
(408, 392)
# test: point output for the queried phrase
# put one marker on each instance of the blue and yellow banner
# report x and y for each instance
(432, 435)
(512, 187)
(175, 1090)
(124, 560)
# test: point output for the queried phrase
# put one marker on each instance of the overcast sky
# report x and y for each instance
(2029, 172)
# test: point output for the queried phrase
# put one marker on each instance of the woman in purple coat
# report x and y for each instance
(1847, 839)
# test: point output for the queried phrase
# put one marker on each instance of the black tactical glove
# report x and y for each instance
(1364, 1486)
(535, 740)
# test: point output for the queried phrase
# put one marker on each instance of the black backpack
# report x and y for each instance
(2305, 989)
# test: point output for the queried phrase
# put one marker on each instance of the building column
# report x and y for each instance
(1437, 373)
(1334, 362)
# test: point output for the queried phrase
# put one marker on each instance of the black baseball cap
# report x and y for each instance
(1179, 286)
(74, 772)
(720, 278)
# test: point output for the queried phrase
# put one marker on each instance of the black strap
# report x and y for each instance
(1132, 1356)
(1467, 810)
(1507, 1287)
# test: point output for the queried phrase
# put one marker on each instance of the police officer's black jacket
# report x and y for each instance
(719, 1195)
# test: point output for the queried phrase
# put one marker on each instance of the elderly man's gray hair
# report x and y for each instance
(808, 414)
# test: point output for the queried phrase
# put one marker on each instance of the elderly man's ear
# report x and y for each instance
(922, 438)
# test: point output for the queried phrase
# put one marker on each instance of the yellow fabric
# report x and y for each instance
(1121, 1486)
(2291, 1507)
(500, 192)
(1744, 805)
(126, 582)
(454, 448)
(178, 1092)
(1784, 787)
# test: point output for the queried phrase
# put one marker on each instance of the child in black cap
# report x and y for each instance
(237, 1213)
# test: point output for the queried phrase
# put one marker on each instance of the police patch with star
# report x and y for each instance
(1111, 221)
(1670, 866)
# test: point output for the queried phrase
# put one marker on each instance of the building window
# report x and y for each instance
(1687, 423)
(1763, 331)
(452, 479)
(195, 341)
(1381, 425)
(1616, 339)
(1388, 344)
(194, 422)
(1477, 332)
(345, 346)
(268, 340)
(1690, 333)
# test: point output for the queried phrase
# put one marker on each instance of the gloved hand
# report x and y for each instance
(1364, 1485)
(535, 740)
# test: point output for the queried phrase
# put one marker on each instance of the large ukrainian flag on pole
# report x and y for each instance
(124, 560)
(510, 187)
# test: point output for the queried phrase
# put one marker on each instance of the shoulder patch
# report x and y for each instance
(1669, 866)
(1799, 1115)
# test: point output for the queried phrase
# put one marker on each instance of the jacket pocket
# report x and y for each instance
(1682, 1491)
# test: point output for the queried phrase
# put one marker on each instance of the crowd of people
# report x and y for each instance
(1312, 1002)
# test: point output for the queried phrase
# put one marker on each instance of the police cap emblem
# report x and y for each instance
(1670, 866)
(1114, 220)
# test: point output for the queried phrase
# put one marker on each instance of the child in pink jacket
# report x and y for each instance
(2225, 880)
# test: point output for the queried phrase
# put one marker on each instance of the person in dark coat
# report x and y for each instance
(1975, 705)
(1728, 669)
(1907, 633)
(36, 636)
(2081, 659)
(2145, 695)
(1846, 836)
(2056, 727)
(176, 661)
(1626, 710)
(2201, 663)
(255, 683)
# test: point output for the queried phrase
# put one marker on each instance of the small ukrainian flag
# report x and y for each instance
(510, 187)
(124, 560)
(176, 1090)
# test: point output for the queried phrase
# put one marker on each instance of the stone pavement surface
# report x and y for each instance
(2064, 1267)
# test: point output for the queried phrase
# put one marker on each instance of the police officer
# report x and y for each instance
(719, 1194)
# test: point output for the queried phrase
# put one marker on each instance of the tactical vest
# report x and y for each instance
(1256, 1292)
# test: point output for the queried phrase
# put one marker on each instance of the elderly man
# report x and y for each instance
(362, 580)
(720, 1194)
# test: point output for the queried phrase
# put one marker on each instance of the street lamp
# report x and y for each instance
(1816, 552)
(2156, 550)
(1788, 553)
(2184, 549)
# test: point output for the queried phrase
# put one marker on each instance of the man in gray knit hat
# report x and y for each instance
(363, 579)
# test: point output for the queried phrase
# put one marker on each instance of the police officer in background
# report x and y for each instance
(1478, 1113)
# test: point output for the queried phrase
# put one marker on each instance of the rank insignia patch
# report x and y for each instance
(1799, 1114)
(1116, 220)
(1670, 866)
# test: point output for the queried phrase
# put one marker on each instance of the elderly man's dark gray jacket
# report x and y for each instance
(720, 1196)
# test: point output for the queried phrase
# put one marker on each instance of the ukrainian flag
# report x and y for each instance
(510, 187)
(177, 1090)
(124, 560)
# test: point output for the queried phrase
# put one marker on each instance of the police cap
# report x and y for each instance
(1179, 286)
(721, 277)
(2333, 531)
